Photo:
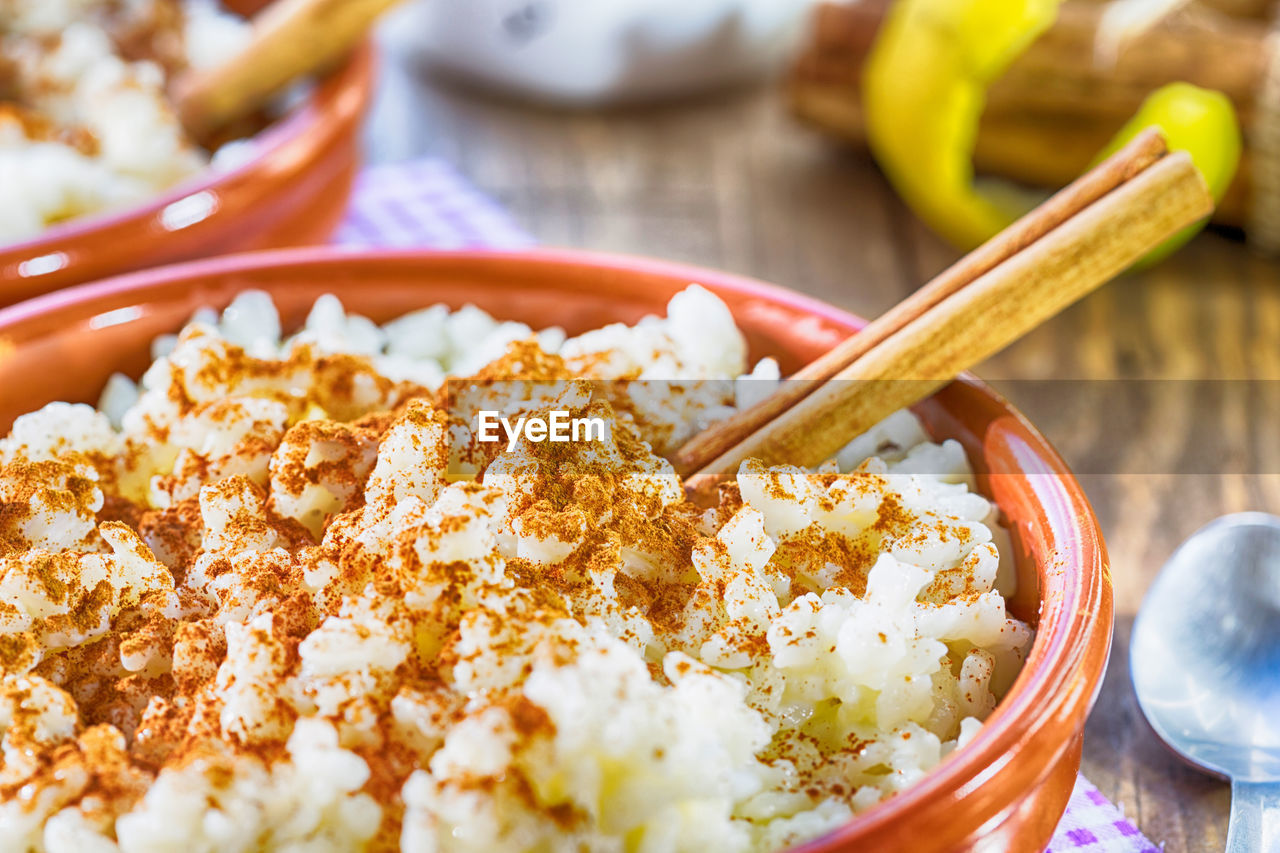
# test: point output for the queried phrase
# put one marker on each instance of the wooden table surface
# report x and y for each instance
(732, 182)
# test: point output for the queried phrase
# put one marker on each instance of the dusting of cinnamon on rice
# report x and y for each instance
(295, 571)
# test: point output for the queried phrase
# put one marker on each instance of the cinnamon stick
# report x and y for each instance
(1001, 305)
(291, 38)
(1123, 166)
(1259, 9)
(1064, 72)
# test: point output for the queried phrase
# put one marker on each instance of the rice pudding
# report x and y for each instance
(85, 121)
(279, 595)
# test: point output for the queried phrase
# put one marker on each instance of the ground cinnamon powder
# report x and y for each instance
(134, 723)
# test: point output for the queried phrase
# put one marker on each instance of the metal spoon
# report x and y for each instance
(1205, 658)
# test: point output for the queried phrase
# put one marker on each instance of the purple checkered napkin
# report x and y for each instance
(426, 204)
(1093, 824)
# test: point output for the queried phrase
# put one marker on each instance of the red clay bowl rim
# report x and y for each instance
(356, 73)
(1036, 697)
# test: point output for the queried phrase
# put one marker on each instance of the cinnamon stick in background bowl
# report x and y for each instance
(1064, 99)
(291, 38)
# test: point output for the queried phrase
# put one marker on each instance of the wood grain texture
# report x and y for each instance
(732, 182)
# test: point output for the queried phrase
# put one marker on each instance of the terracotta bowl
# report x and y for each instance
(293, 192)
(1004, 791)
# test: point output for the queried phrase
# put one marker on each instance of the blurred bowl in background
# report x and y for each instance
(291, 190)
(592, 52)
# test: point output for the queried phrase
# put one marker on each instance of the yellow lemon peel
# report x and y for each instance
(924, 89)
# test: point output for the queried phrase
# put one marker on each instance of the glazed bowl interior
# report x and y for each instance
(1010, 784)
(291, 191)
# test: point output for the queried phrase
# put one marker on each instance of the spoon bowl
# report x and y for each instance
(1205, 658)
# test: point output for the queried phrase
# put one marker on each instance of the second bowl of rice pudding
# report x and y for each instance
(97, 175)
(266, 584)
